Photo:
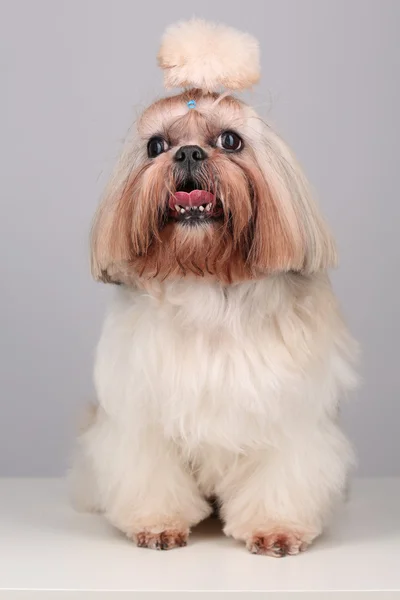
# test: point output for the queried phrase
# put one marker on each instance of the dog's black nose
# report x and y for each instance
(189, 157)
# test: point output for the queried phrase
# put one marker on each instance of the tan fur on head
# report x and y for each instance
(270, 222)
(208, 56)
(267, 221)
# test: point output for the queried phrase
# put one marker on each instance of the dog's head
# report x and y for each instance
(205, 187)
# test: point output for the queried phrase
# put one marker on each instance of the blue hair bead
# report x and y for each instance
(191, 104)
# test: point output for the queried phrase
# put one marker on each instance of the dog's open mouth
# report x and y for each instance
(191, 204)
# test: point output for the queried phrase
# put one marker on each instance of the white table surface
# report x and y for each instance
(45, 545)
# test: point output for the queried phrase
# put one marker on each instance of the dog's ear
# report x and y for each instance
(111, 235)
(290, 233)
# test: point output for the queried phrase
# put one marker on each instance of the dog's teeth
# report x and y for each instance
(177, 208)
(201, 208)
(183, 210)
(208, 207)
(187, 207)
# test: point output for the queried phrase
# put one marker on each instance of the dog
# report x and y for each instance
(224, 355)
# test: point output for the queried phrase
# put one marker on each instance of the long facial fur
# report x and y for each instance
(270, 222)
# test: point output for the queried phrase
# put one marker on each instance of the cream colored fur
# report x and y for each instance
(230, 391)
(213, 389)
(208, 56)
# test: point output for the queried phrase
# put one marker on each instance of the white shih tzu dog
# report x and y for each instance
(222, 360)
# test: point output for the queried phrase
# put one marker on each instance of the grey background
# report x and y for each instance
(74, 75)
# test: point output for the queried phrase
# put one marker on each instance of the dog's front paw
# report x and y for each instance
(165, 540)
(277, 543)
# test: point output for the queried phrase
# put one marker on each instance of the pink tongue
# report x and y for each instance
(195, 198)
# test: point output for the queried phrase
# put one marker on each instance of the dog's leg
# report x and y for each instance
(278, 500)
(146, 490)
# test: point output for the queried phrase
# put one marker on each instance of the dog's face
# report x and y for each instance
(206, 190)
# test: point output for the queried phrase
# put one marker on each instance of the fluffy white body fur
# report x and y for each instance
(232, 391)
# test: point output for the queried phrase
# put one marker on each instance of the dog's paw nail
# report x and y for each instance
(277, 544)
(166, 540)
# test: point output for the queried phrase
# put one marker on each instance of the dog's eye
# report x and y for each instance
(156, 145)
(229, 140)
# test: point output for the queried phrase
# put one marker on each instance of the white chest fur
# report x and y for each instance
(222, 366)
